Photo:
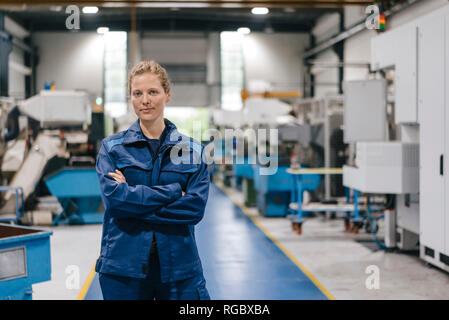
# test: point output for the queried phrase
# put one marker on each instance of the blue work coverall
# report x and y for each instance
(150, 204)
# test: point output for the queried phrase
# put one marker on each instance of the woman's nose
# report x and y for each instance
(145, 98)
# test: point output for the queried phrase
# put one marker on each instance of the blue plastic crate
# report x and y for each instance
(24, 260)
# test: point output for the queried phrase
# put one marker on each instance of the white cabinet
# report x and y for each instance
(406, 110)
(384, 167)
(365, 110)
(433, 85)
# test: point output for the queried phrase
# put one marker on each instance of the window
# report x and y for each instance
(191, 121)
(232, 75)
(115, 76)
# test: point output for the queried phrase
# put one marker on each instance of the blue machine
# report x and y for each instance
(78, 192)
(223, 150)
(274, 191)
(242, 168)
(24, 260)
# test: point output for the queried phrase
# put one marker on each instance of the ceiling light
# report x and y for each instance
(90, 10)
(243, 30)
(259, 10)
(102, 30)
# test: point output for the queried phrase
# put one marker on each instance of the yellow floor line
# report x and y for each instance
(87, 284)
(275, 241)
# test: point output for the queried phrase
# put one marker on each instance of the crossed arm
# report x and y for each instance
(120, 178)
(163, 204)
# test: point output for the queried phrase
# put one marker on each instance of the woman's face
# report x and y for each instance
(148, 96)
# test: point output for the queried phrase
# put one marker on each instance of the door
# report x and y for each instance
(431, 99)
(446, 108)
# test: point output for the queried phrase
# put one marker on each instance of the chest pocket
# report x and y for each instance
(135, 172)
(180, 173)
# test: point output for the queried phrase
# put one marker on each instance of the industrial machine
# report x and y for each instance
(247, 152)
(397, 126)
(307, 135)
(56, 135)
(319, 140)
(224, 145)
(379, 165)
(273, 192)
(78, 192)
(318, 155)
(270, 158)
(244, 175)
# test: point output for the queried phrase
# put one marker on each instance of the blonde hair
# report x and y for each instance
(151, 67)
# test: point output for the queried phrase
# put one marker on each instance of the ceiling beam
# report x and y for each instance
(191, 3)
(193, 20)
(174, 24)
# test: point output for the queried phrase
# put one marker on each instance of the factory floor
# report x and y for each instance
(248, 256)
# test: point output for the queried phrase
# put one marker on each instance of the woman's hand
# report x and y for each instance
(118, 176)
(183, 193)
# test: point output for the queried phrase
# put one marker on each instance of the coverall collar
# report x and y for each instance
(135, 134)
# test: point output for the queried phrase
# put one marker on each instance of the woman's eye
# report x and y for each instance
(137, 94)
(153, 92)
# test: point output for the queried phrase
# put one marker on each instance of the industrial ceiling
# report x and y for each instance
(180, 15)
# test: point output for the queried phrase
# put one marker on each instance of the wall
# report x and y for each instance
(358, 47)
(180, 49)
(175, 48)
(16, 79)
(73, 60)
(275, 58)
(213, 69)
(326, 79)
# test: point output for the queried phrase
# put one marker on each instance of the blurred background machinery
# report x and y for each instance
(57, 129)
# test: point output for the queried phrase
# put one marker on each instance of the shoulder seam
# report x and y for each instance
(114, 142)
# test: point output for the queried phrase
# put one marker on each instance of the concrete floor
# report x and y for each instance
(74, 250)
(332, 257)
(339, 261)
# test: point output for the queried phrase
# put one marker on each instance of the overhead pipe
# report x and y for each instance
(360, 26)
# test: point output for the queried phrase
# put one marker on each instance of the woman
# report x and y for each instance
(152, 200)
